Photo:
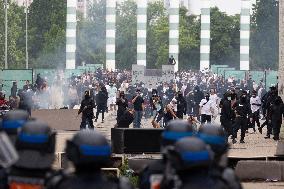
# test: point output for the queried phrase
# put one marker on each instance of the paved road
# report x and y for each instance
(255, 146)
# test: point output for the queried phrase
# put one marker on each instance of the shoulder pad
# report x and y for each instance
(55, 179)
(124, 183)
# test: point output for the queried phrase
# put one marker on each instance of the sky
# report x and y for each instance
(231, 7)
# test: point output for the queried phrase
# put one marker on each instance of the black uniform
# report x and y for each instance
(226, 116)
(89, 151)
(179, 128)
(275, 116)
(36, 147)
(122, 104)
(198, 96)
(242, 110)
(181, 106)
(188, 166)
(101, 100)
(86, 109)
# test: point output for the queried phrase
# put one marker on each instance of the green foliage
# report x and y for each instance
(47, 25)
(91, 36)
(225, 39)
(16, 36)
(265, 35)
(127, 172)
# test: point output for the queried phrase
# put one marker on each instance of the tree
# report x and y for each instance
(16, 36)
(225, 39)
(47, 25)
(126, 41)
(91, 35)
(265, 35)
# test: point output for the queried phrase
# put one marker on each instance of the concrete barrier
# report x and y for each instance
(259, 170)
(62, 119)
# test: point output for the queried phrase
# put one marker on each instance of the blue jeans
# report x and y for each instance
(137, 119)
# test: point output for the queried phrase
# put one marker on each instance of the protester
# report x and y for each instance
(138, 104)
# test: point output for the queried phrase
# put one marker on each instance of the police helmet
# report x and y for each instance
(12, 121)
(215, 137)
(175, 130)
(88, 148)
(190, 153)
(36, 146)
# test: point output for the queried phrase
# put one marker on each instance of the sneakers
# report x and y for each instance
(242, 141)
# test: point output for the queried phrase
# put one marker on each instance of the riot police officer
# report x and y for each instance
(89, 151)
(189, 166)
(216, 138)
(175, 130)
(12, 121)
(35, 144)
(86, 109)
(242, 110)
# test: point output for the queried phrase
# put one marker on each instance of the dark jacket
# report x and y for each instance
(86, 107)
(101, 98)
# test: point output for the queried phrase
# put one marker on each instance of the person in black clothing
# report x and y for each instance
(122, 104)
(242, 110)
(158, 112)
(39, 81)
(101, 100)
(181, 105)
(86, 109)
(275, 116)
(268, 101)
(227, 114)
(172, 60)
(14, 90)
(28, 85)
(197, 97)
(138, 104)
(126, 119)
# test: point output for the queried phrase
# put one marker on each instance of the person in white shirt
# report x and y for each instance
(206, 109)
(112, 92)
(255, 104)
(215, 99)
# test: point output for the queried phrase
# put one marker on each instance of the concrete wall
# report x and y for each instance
(138, 75)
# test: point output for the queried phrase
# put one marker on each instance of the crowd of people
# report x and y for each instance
(191, 158)
(201, 97)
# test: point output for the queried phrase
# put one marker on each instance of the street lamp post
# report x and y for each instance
(27, 53)
(6, 34)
